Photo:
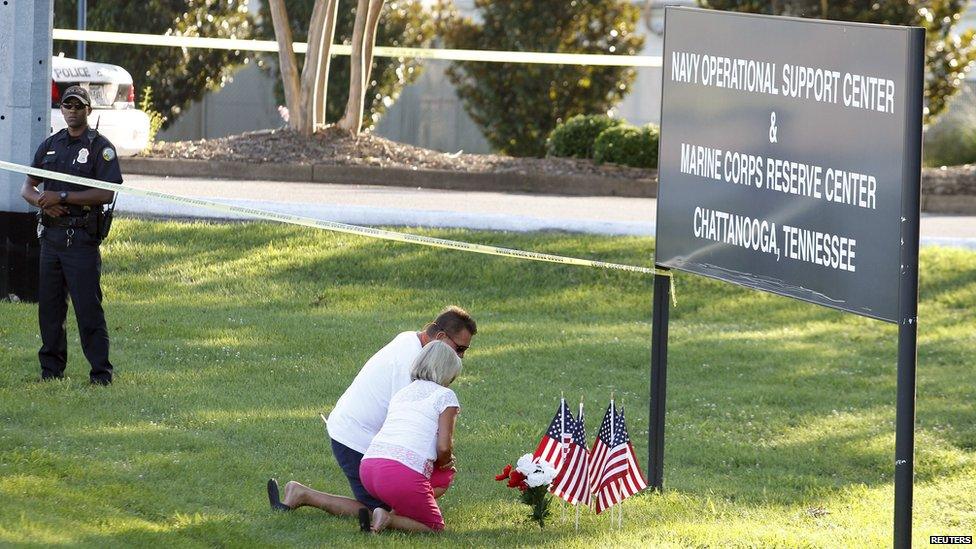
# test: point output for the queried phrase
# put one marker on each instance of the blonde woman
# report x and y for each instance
(410, 462)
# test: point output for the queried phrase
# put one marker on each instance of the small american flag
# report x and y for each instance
(615, 474)
(572, 482)
(558, 436)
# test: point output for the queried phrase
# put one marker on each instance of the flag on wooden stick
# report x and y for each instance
(572, 482)
(615, 474)
(553, 446)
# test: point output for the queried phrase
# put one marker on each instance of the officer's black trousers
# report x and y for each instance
(73, 270)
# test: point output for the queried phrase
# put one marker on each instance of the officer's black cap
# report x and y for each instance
(79, 93)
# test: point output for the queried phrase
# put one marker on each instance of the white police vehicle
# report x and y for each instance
(113, 102)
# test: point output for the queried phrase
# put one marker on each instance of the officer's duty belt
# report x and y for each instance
(67, 221)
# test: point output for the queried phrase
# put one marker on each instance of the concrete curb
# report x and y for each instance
(568, 185)
(509, 182)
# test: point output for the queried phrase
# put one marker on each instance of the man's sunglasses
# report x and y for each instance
(459, 349)
(73, 106)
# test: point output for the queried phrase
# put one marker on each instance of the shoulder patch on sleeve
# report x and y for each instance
(108, 153)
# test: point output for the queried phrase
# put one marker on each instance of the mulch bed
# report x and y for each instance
(337, 148)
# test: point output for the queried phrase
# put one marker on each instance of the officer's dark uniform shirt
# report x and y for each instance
(84, 156)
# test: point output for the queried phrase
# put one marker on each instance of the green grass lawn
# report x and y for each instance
(229, 339)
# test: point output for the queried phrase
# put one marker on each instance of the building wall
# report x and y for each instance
(245, 104)
(429, 114)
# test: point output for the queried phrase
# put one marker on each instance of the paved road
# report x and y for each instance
(375, 205)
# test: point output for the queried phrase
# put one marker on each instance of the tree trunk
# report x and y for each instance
(372, 25)
(322, 75)
(315, 73)
(367, 20)
(311, 65)
(356, 71)
(286, 62)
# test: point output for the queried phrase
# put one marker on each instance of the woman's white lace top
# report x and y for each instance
(409, 434)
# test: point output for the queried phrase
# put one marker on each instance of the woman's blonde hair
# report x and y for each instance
(437, 362)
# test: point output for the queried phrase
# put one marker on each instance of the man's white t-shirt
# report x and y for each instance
(360, 412)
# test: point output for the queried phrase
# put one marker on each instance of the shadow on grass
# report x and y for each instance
(344, 261)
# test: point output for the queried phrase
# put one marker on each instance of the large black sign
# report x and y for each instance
(786, 147)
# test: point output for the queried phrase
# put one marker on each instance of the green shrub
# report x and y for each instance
(575, 137)
(517, 105)
(951, 140)
(628, 145)
(155, 118)
(950, 147)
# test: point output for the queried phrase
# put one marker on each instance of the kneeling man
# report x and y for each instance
(360, 412)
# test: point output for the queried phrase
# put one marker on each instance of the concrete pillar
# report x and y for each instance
(25, 121)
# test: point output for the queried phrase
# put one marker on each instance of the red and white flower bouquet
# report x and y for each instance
(532, 477)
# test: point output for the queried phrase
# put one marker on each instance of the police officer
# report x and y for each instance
(70, 229)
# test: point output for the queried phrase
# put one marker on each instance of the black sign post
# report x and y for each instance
(908, 315)
(659, 377)
(790, 162)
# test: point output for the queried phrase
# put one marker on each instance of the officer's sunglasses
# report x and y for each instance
(73, 106)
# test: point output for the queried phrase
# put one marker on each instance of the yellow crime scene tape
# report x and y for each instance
(490, 56)
(335, 226)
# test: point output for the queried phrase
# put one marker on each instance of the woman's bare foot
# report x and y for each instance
(381, 519)
(293, 492)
